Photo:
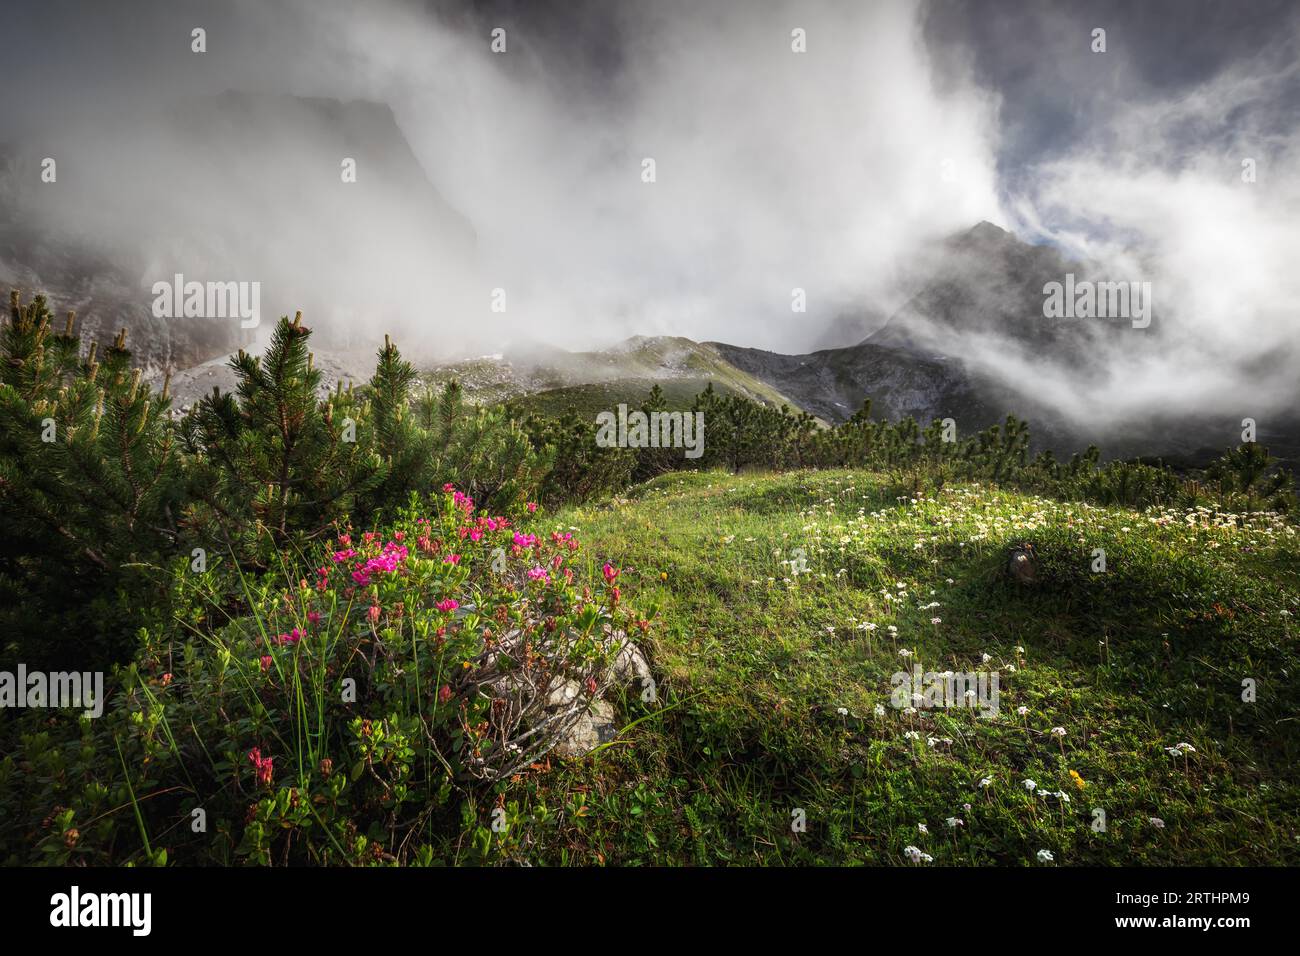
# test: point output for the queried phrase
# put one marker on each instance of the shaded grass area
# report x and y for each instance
(773, 655)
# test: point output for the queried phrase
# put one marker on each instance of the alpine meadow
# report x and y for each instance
(798, 434)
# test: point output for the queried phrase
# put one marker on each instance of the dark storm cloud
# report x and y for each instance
(1037, 57)
(69, 60)
(1205, 75)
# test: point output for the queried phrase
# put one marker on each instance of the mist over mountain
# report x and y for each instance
(913, 174)
(973, 344)
(384, 250)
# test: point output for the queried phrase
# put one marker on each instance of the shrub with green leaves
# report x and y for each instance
(272, 462)
(100, 489)
(483, 450)
(346, 720)
(581, 469)
(91, 486)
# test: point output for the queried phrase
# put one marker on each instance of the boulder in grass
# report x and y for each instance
(595, 725)
(553, 712)
(629, 667)
(1022, 564)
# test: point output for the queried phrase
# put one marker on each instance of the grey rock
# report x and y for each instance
(595, 726)
(629, 667)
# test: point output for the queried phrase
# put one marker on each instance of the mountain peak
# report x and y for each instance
(986, 230)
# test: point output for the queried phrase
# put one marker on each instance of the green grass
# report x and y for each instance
(589, 382)
(754, 665)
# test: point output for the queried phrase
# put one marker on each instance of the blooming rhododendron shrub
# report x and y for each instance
(345, 719)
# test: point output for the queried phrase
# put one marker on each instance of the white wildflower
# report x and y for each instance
(916, 856)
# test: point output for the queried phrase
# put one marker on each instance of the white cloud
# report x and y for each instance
(1160, 198)
(775, 170)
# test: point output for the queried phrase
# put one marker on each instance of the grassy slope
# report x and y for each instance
(588, 400)
(756, 664)
(588, 382)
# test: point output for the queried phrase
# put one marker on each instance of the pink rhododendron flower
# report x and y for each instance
(265, 766)
(373, 612)
(386, 562)
(448, 605)
(293, 637)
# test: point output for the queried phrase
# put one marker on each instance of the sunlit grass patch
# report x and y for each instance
(789, 601)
